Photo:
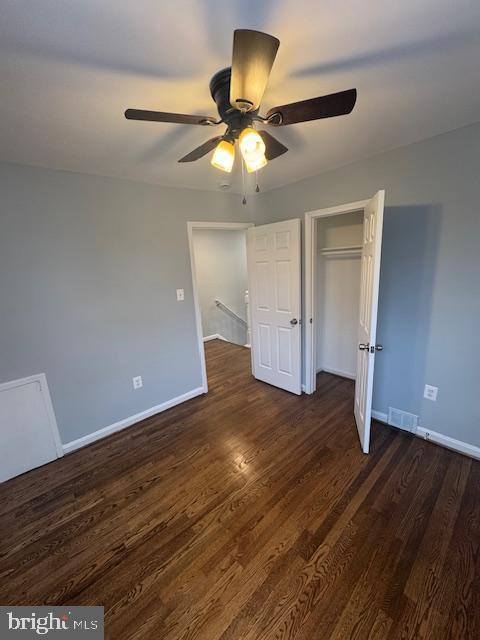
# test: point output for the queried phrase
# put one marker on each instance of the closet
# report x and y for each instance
(338, 262)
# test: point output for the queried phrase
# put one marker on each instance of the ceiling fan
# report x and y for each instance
(237, 92)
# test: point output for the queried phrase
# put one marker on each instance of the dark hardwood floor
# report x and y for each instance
(249, 514)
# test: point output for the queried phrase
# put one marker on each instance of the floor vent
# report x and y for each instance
(402, 419)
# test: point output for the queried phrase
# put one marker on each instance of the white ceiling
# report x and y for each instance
(68, 70)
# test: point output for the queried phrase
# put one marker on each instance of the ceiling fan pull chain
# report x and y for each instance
(244, 201)
(257, 188)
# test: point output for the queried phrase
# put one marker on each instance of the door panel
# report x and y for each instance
(273, 253)
(283, 286)
(25, 430)
(284, 338)
(264, 346)
(262, 285)
(367, 330)
(282, 240)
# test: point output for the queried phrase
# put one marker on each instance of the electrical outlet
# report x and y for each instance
(180, 295)
(430, 393)
(137, 382)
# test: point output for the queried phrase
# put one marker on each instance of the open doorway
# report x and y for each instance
(338, 261)
(218, 255)
(342, 274)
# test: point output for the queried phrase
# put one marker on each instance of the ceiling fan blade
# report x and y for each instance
(162, 116)
(252, 60)
(202, 150)
(273, 147)
(335, 104)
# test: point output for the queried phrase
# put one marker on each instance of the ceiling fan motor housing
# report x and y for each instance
(235, 119)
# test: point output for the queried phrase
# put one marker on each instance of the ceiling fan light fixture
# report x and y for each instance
(251, 145)
(237, 92)
(255, 165)
(223, 156)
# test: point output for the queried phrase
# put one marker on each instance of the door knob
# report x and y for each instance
(294, 321)
(379, 347)
(364, 347)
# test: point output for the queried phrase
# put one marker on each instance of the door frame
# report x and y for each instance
(41, 380)
(310, 253)
(219, 226)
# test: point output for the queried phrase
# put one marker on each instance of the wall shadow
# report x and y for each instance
(409, 257)
(249, 14)
(401, 51)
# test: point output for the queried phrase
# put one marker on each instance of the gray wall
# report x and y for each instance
(89, 268)
(88, 272)
(429, 310)
(221, 273)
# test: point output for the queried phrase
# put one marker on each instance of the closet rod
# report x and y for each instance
(339, 251)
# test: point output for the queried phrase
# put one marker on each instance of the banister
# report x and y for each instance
(231, 312)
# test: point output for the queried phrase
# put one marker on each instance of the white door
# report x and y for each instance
(369, 281)
(28, 431)
(273, 256)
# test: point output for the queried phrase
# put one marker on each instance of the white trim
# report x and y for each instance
(214, 336)
(225, 226)
(127, 422)
(349, 207)
(337, 372)
(449, 443)
(218, 336)
(309, 262)
(222, 226)
(381, 417)
(41, 378)
(437, 438)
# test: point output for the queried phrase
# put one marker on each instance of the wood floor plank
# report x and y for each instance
(252, 514)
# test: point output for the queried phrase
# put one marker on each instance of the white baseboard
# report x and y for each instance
(438, 438)
(381, 417)
(337, 372)
(450, 443)
(215, 336)
(218, 336)
(127, 422)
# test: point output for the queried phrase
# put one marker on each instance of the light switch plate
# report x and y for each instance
(430, 392)
(180, 295)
